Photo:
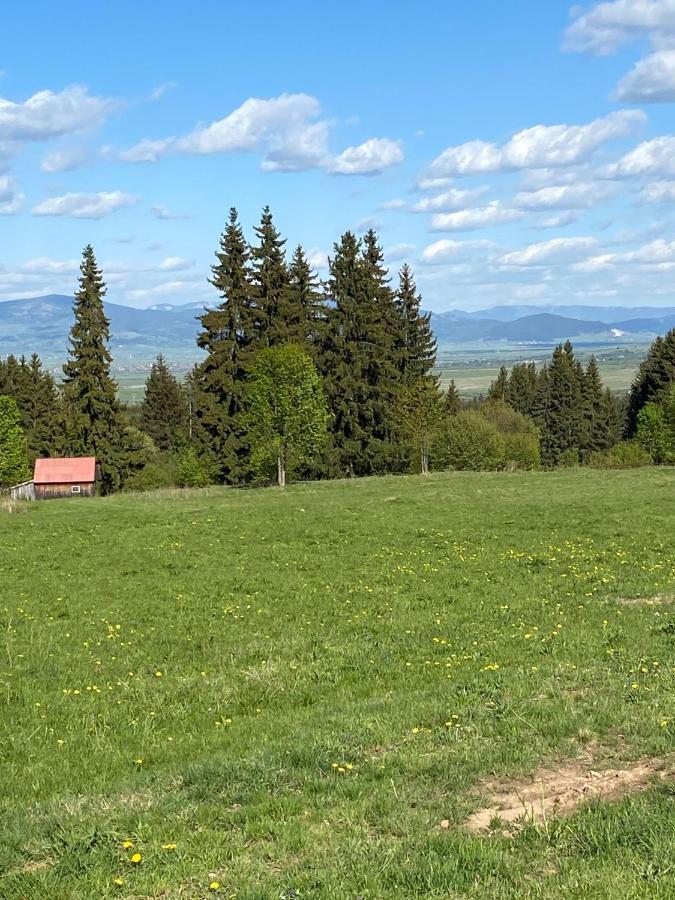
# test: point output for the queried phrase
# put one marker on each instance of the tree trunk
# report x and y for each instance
(425, 459)
(281, 471)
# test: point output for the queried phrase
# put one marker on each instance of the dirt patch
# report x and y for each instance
(658, 600)
(34, 865)
(550, 793)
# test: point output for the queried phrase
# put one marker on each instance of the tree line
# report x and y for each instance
(316, 380)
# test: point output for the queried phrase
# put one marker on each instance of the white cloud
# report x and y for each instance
(566, 218)
(175, 264)
(65, 160)
(396, 203)
(288, 132)
(450, 200)
(163, 212)
(472, 219)
(658, 192)
(318, 259)
(541, 146)
(47, 114)
(431, 184)
(47, 266)
(568, 196)
(652, 80)
(84, 206)
(399, 252)
(11, 200)
(606, 26)
(369, 158)
(557, 250)
(167, 287)
(655, 157)
(447, 250)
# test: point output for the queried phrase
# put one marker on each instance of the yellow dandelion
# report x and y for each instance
(136, 858)
(214, 886)
(168, 846)
(119, 880)
(127, 844)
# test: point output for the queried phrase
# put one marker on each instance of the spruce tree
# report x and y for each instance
(163, 413)
(559, 406)
(499, 389)
(653, 379)
(522, 388)
(43, 413)
(307, 314)
(597, 433)
(354, 445)
(228, 336)
(13, 462)
(453, 403)
(416, 345)
(276, 320)
(94, 424)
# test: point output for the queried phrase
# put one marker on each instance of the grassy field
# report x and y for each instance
(305, 694)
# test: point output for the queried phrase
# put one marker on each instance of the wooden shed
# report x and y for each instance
(65, 477)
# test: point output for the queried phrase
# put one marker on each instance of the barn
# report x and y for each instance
(64, 477)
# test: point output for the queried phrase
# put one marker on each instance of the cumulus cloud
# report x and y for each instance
(11, 200)
(658, 192)
(431, 184)
(450, 200)
(566, 218)
(655, 157)
(448, 250)
(84, 206)
(557, 250)
(163, 212)
(287, 130)
(318, 259)
(541, 146)
(652, 80)
(606, 26)
(66, 160)
(48, 114)
(175, 264)
(399, 252)
(472, 219)
(568, 196)
(369, 158)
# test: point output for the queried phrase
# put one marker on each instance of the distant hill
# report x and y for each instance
(41, 324)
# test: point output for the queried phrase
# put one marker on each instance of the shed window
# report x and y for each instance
(75, 489)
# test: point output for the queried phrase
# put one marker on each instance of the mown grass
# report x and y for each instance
(264, 680)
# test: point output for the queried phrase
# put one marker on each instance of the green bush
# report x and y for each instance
(656, 429)
(519, 433)
(192, 470)
(160, 472)
(625, 455)
(469, 441)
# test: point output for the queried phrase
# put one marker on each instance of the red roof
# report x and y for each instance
(68, 470)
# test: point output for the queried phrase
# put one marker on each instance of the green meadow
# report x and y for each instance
(262, 694)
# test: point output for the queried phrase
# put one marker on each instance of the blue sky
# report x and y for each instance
(513, 153)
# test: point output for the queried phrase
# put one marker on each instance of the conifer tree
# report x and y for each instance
(307, 313)
(270, 285)
(653, 379)
(94, 424)
(228, 335)
(43, 413)
(453, 403)
(596, 433)
(353, 396)
(163, 413)
(499, 389)
(13, 467)
(416, 345)
(560, 416)
(522, 388)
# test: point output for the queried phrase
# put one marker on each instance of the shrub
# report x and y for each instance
(469, 441)
(160, 472)
(624, 455)
(656, 429)
(192, 470)
(520, 434)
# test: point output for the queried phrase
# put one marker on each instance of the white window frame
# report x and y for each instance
(75, 489)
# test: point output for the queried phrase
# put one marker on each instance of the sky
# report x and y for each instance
(512, 153)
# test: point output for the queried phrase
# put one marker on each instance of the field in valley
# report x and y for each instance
(342, 691)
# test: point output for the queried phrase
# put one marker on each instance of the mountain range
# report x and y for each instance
(41, 324)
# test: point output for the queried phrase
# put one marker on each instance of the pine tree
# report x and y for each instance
(416, 346)
(276, 320)
(13, 467)
(43, 413)
(453, 403)
(228, 335)
(346, 355)
(307, 314)
(499, 389)
(163, 413)
(596, 433)
(653, 379)
(560, 410)
(94, 425)
(522, 388)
